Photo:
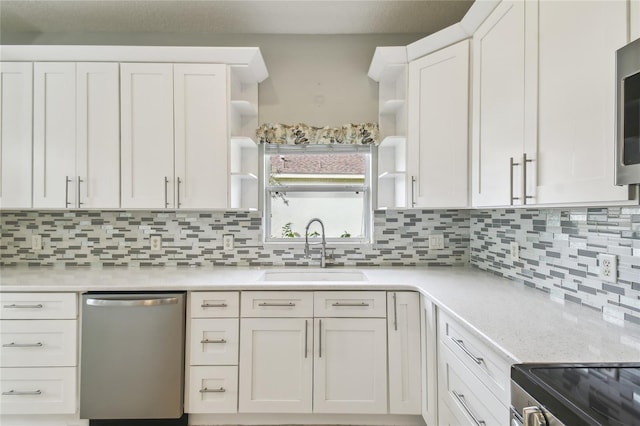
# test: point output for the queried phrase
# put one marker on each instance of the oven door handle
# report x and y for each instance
(533, 416)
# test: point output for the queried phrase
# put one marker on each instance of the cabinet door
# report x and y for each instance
(576, 129)
(147, 135)
(498, 105)
(438, 128)
(276, 361)
(429, 361)
(201, 135)
(98, 135)
(54, 134)
(350, 365)
(403, 331)
(16, 141)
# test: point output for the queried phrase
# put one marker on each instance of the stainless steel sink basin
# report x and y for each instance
(313, 275)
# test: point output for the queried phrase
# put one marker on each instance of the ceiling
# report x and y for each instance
(230, 16)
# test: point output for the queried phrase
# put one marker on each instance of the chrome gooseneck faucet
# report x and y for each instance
(323, 262)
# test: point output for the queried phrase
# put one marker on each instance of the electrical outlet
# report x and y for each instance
(227, 242)
(36, 242)
(514, 251)
(608, 267)
(436, 241)
(156, 242)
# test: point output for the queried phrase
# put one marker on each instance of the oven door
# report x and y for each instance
(526, 411)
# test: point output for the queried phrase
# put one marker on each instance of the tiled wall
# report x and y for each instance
(558, 253)
(195, 238)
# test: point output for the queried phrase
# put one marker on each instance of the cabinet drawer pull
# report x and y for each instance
(79, 192)
(15, 392)
(525, 197)
(319, 338)
(463, 402)
(213, 305)
(14, 306)
(22, 345)
(306, 337)
(350, 304)
(178, 193)
(276, 304)
(67, 181)
(218, 390)
(166, 190)
(213, 341)
(512, 164)
(461, 345)
(395, 312)
(413, 191)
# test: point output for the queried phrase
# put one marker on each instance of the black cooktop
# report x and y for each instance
(592, 394)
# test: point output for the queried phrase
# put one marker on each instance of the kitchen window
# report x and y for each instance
(329, 182)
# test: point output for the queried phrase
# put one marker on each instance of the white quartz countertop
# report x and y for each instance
(521, 322)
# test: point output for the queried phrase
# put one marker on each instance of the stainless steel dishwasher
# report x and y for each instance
(132, 360)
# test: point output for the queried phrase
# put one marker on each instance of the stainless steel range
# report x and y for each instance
(575, 394)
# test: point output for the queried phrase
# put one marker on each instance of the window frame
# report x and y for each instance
(368, 189)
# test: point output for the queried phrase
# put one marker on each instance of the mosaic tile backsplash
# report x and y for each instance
(86, 238)
(559, 254)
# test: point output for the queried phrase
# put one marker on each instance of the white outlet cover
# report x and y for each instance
(436, 241)
(514, 251)
(608, 267)
(36, 242)
(227, 242)
(156, 242)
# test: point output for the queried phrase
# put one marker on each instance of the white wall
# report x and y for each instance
(315, 79)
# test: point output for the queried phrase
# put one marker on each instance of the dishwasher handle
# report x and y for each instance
(124, 302)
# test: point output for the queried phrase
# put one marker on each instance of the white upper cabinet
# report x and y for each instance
(54, 135)
(200, 95)
(499, 107)
(98, 135)
(576, 100)
(16, 141)
(437, 146)
(147, 135)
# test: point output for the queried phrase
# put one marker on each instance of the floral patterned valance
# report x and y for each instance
(303, 134)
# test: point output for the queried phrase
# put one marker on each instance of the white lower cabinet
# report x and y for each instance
(213, 389)
(38, 390)
(428, 361)
(350, 365)
(276, 365)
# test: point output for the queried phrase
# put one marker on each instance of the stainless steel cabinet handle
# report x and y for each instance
(319, 338)
(395, 313)
(15, 392)
(525, 197)
(178, 192)
(79, 203)
(22, 345)
(276, 304)
(207, 390)
(133, 302)
(213, 341)
(306, 340)
(213, 305)
(512, 164)
(413, 191)
(463, 402)
(349, 304)
(66, 191)
(14, 306)
(461, 345)
(166, 194)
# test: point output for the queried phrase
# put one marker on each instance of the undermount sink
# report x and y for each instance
(314, 275)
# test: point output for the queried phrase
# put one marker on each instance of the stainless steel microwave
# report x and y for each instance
(628, 114)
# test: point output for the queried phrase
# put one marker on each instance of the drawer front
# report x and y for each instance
(276, 304)
(38, 390)
(214, 304)
(465, 394)
(483, 361)
(212, 390)
(38, 343)
(38, 306)
(350, 304)
(214, 341)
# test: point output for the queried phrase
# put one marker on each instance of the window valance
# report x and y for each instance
(303, 134)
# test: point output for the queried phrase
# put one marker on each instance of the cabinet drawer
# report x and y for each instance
(38, 343)
(483, 361)
(465, 394)
(38, 390)
(214, 304)
(38, 306)
(276, 304)
(212, 390)
(214, 341)
(349, 304)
